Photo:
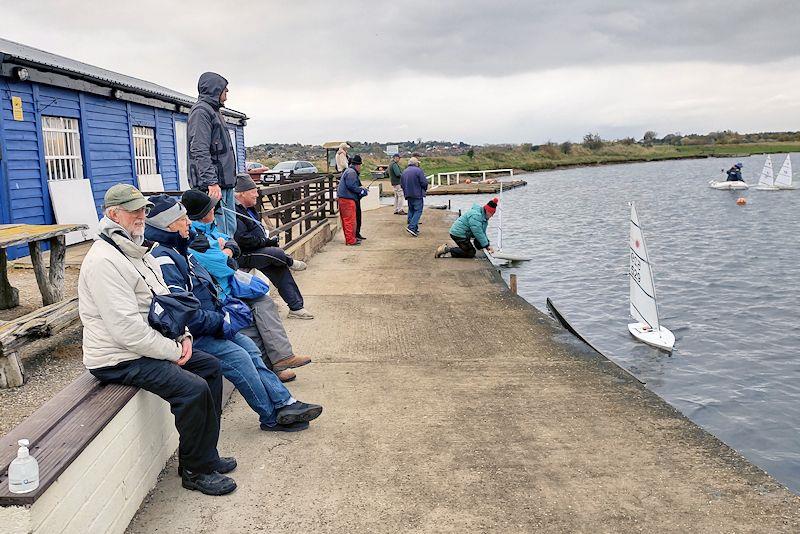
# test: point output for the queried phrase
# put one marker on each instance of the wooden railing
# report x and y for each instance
(298, 207)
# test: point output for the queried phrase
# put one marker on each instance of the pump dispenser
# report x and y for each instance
(23, 473)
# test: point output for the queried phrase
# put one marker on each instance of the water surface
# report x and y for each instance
(727, 281)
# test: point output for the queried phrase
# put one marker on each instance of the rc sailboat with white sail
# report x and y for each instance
(784, 178)
(643, 305)
(766, 182)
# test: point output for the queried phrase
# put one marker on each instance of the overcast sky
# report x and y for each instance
(483, 71)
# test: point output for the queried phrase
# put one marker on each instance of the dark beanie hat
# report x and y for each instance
(197, 203)
(244, 183)
(356, 160)
(491, 206)
(166, 210)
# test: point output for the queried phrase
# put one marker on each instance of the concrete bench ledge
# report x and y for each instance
(100, 450)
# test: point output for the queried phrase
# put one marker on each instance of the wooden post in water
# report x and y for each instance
(512, 283)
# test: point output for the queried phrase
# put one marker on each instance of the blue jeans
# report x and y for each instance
(226, 221)
(414, 213)
(241, 363)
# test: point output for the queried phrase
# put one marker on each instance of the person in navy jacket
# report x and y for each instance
(349, 193)
(415, 187)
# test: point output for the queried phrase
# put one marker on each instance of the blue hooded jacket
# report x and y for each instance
(350, 185)
(182, 272)
(214, 260)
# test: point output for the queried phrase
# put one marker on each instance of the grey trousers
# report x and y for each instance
(267, 331)
(398, 198)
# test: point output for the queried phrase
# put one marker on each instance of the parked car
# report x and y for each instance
(296, 167)
(255, 166)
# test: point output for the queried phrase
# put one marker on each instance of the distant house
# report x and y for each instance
(69, 131)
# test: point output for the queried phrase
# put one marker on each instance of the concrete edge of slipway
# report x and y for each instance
(577, 348)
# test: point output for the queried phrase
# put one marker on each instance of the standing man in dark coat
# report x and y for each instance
(394, 177)
(348, 195)
(212, 160)
(415, 186)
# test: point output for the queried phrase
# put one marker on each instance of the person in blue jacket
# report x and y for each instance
(735, 173)
(415, 187)
(349, 194)
(213, 331)
(468, 229)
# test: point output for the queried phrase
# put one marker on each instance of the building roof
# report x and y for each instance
(34, 57)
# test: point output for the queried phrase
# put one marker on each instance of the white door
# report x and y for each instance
(181, 145)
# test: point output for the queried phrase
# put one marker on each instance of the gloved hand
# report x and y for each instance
(364, 191)
(199, 243)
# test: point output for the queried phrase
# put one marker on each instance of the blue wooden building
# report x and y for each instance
(69, 131)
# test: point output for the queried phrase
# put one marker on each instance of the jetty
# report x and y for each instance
(452, 405)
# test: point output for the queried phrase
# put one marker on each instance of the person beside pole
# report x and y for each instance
(469, 232)
(735, 173)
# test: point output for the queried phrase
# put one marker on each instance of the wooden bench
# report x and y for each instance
(38, 324)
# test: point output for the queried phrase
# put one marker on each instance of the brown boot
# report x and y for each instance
(291, 362)
(287, 375)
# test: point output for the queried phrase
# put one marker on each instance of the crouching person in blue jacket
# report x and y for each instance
(468, 229)
(213, 327)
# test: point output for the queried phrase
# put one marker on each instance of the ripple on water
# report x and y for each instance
(727, 281)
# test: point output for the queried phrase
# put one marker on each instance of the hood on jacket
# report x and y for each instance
(166, 238)
(209, 87)
(135, 248)
(479, 209)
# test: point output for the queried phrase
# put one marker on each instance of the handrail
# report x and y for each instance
(298, 207)
(447, 175)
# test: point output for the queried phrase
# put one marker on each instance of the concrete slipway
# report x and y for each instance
(452, 405)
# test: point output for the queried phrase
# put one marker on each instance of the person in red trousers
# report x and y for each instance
(350, 191)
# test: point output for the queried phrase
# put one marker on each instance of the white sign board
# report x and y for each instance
(391, 150)
(73, 203)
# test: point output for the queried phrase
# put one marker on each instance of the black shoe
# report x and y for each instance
(294, 427)
(361, 237)
(299, 411)
(209, 484)
(225, 464)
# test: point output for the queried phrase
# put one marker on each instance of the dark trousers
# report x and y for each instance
(358, 218)
(274, 262)
(194, 394)
(465, 249)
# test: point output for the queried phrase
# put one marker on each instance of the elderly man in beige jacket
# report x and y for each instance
(115, 290)
(342, 161)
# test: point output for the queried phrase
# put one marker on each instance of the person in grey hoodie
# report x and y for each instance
(212, 161)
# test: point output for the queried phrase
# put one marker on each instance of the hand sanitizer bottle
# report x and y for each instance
(23, 473)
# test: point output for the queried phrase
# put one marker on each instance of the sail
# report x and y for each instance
(500, 220)
(767, 178)
(784, 178)
(642, 287)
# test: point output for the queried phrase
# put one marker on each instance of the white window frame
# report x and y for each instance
(144, 148)
(232, 135)
(62, 148)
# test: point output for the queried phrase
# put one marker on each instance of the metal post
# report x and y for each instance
(512, 282)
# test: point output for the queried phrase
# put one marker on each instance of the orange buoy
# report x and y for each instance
(741, 201)
(467, 181)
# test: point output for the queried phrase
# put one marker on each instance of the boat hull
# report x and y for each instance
(786, 187)
(767, 188)
(728, 186)
(509, 256)
(661, 339)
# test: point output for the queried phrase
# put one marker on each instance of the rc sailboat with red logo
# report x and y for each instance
(644, 307)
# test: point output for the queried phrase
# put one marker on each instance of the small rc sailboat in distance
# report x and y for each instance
(784, 179)
(766, 182)
(644, 307)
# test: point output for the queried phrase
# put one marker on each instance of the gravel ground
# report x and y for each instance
(50, 363)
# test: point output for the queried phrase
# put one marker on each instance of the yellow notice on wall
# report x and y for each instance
(16, 107)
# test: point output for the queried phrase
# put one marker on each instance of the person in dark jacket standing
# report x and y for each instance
(259, 251)
(348, 194)
(394, 177)
(212, 161)
(415, 186)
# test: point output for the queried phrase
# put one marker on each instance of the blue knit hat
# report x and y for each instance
(166, 210)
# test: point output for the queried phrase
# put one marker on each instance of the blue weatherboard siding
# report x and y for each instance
(106, 147)
(108, 142)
